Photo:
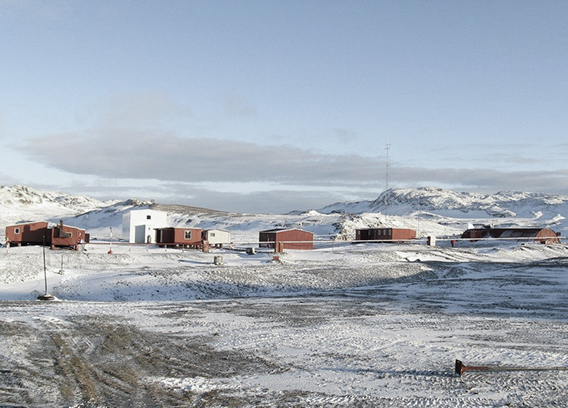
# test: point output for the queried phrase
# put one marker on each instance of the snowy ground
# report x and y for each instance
(343, 325)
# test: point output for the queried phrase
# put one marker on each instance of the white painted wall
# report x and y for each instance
(215, 236)
(139, 226)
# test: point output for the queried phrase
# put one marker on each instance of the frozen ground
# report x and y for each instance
(348, 325)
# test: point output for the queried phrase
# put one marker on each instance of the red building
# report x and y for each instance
(40, 233)
(281, 239)
(541, 235)
(180, 237)
(385, 234)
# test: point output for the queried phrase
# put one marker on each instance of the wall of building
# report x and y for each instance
(39, 233)
(179, 236)
(139, 226)
(66, 236)
(385, 234)
(290, 239)
(33, 233)
(216, 237)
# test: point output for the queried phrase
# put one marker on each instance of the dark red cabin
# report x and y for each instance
(540, 235)
(180, 237)
(286, 239)
(40, 233)
(385, 234)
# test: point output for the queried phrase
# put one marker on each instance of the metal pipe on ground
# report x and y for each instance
(461, 368)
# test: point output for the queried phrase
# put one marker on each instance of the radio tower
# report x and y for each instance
(387, 167)
(387, 178)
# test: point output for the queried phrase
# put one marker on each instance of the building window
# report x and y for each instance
(187, 235)
(16, 230)
(148, 217)
(212, 234)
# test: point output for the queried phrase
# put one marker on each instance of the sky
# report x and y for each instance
(281, 105)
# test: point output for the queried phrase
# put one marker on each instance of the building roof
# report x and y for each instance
(510, 232)
(284, 229)
(48, 224)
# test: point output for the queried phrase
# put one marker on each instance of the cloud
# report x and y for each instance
(137, 111)
(484, 179)
(237, 106)
(263, 199)
(129, 152)
(272, 201)
(135, 154)
(240, 186)
(167, 157)
(344, 135)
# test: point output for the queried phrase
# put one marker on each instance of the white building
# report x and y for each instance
(139, 226)
(216, 237)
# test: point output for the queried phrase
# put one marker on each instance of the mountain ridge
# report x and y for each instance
(439, 210)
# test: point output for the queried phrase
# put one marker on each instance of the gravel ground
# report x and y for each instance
(296, 335)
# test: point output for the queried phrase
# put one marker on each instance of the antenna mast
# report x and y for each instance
(387, 167)
(387, 178)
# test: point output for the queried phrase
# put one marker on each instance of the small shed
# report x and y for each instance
(540, 235)
(216, 237)
(180, 237)
(40, 233)
(385, 234)
(282, 238)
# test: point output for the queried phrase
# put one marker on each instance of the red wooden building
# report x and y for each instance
(385, 234)
(281, 239)
(179, 237)
(39, 233)
(541, 235)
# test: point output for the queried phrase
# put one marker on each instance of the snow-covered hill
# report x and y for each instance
(458, 209)
(22, 204)
(505, 204)
(430, 211)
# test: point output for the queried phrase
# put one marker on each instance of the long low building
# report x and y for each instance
(179, 237)
(385, 234)
(541, 235)
(282, 238)
(42, 233)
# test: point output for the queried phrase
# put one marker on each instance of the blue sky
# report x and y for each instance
(272, 106)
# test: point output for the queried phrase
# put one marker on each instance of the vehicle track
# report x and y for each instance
(88, 361)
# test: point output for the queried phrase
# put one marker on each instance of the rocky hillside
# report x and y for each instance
(430, 211)
(436, 201)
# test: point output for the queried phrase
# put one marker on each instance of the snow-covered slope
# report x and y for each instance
(458, 209)
(429, 211)
(22, 203)
(404, 201)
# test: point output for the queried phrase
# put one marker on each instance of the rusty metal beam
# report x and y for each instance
(461, 368)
